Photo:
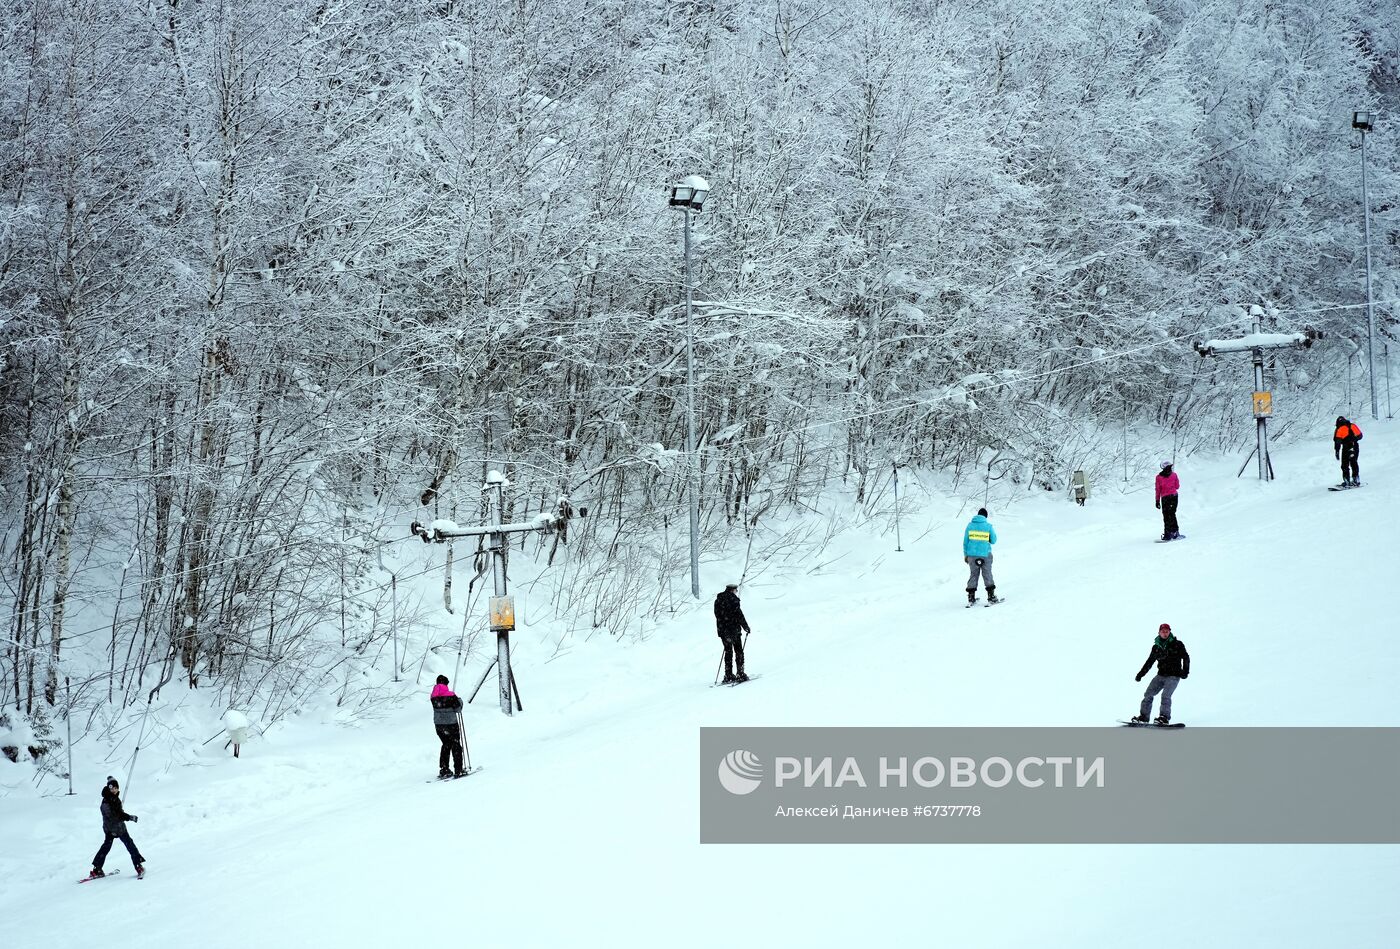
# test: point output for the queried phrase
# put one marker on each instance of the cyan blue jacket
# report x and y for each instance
(979, 537)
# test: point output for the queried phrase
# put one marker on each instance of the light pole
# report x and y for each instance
(690, 197)
(1362, 122)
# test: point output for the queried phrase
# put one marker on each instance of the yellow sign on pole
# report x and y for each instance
(502, 610)
(1263, 404)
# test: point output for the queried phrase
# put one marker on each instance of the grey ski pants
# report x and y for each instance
(980, 566)
(1164, 684)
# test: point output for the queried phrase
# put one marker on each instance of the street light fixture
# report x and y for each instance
(1362, 122)
(690, 197)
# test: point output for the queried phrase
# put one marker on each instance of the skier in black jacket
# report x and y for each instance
(1173, 665)
(729, 620)
(114, 819)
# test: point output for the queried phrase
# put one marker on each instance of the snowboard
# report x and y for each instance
(466, 774)
(1343, 487)
(1178, 537)
(111, 873)
(1151, 725)
(730, 685)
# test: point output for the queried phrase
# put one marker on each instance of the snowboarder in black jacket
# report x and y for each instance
(729, 620)
(114, 819)
(1173, 665)
(1346, 448)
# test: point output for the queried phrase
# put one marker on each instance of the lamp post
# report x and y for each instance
(690, 197)
(1362, 122)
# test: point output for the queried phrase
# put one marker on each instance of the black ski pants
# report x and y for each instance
(1350, 469)
(451, 738)
(733, 651)
(1169, 524)
(124, 837)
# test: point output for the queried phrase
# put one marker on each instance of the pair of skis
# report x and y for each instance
(978, 599)
(730, 685)
(453, 777)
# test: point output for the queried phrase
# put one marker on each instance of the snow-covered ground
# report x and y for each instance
(583, 828)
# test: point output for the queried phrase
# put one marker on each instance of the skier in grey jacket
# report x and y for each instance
(446, 706)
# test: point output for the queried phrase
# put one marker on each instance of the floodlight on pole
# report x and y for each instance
(1363, 122)
(689, 195)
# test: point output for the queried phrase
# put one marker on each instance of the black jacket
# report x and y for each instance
(114, 818)
(1173, 660)
(729, 616)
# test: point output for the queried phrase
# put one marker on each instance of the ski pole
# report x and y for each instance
(719, 667)
(462, 731)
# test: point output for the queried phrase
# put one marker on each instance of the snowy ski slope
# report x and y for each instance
(583, 828)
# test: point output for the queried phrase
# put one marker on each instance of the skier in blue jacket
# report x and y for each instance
(978, 539)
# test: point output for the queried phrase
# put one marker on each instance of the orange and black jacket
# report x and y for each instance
(1346, 436)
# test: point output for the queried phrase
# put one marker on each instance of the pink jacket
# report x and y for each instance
(1168, 485)
(441, 690)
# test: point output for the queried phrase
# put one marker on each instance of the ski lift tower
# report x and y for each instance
(1255, 344)
(502, 606)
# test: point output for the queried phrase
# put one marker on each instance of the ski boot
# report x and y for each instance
(459, 774)
(1161, 720)
(96, 872)
(971, 597)
(140, 870)
(992, 595)
(729, 679)
(444, 773)
(741, 677)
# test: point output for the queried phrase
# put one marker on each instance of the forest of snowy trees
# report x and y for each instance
(276, 277)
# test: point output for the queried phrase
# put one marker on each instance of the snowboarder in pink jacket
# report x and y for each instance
(1167, 485)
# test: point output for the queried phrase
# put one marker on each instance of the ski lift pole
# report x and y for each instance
(502, 607)
(68, 718)
(1262, 400)
(898, 544)
(394, 590)
(1125, 442)
(1387, 382)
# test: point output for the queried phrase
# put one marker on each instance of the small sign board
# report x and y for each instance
(502, 612)
(1263, 404)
